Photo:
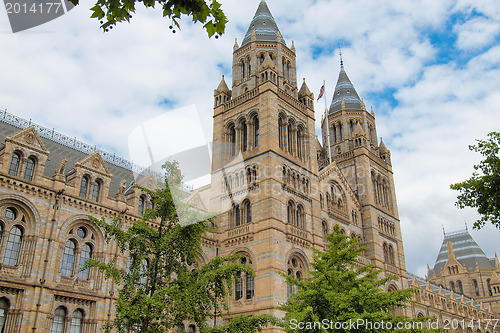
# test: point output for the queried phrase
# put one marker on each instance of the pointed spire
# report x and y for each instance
(345, 91)
(263, 26)
(293, 47)
(382, 148)
(235, 44)
(268, 63)
(358, 131)
(304, 90)
(497, 263)
(222, 88)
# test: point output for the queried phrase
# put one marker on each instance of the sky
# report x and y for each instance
(430, 69)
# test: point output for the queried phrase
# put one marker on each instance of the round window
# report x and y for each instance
(81, 232)
(10, 214)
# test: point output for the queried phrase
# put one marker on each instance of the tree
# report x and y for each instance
(482, 190)
(164, 284)
(338, 292)
(210, 14)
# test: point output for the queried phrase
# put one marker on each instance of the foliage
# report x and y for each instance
(482, 190)
(210, 14)
(172, 287)
(338, 292)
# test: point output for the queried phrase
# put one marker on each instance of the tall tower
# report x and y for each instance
(264, 169)
(366, 165)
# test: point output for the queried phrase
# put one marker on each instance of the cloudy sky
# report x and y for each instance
(430, 69)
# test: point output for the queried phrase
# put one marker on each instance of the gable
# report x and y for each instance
(95, 163)
(28, 138)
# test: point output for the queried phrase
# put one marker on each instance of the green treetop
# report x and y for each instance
(339, 290)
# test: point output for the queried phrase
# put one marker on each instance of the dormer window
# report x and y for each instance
(30, 169)
(84, 187)
(14, 164)
(96, 190)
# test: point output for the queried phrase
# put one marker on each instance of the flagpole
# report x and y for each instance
(327, 127)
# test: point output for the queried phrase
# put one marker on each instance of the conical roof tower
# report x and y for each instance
(264, 25)
(344, 90)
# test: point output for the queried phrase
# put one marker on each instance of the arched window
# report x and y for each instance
(68, 260)
(291, 212)
(238, 287)
(301, 216)
(488, 284)
(256, 126)
(290, 137)
(78, 249)
(297, 269)
(4, 308)
(460, 287)
(76, 322)
(237, 215)
(84, 256)
(452, 286)
(59, 320)
(14, 164)
(249, 280)
(30, 169)
(140, 208)
(84, 187)
(143, 272)
(96, 190)
(324, 226)
(300, 143)
(232, 134)
(13, 246)
(391, 255)
(244, 130)
(247, 209)
(476, 287)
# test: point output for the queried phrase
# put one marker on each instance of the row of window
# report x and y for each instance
(86, 185)
(240, 214)
(64, 323)
(292, 136)
(241, 178)
(295, 180)
(15, 166)
(242, 136)
(388, 253)
(296, 214)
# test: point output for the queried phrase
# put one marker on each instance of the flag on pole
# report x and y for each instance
(321, 92)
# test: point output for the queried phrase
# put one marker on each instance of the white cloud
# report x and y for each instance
(476, 33)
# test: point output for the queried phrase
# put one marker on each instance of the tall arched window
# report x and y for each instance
(4, 308)
(460, 287)
(13, 246)
(476, 287)
(291, 212)
(238, 287)
(76, 322)
(59, 320)
(68, 260)
(488, 284)
(84, 187)
(14, 164)
(324, 226)
(232, 134)
(30, 169)
(96, 190)
(391, 255)
(256, 127)
(84, 256)
(244, 129)
(247, 209)
(452, 286)
(244, 287)
(300, 222)
(140, 207)
(300, 143)
(143, 272)
(290, 137)
(297, 269)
